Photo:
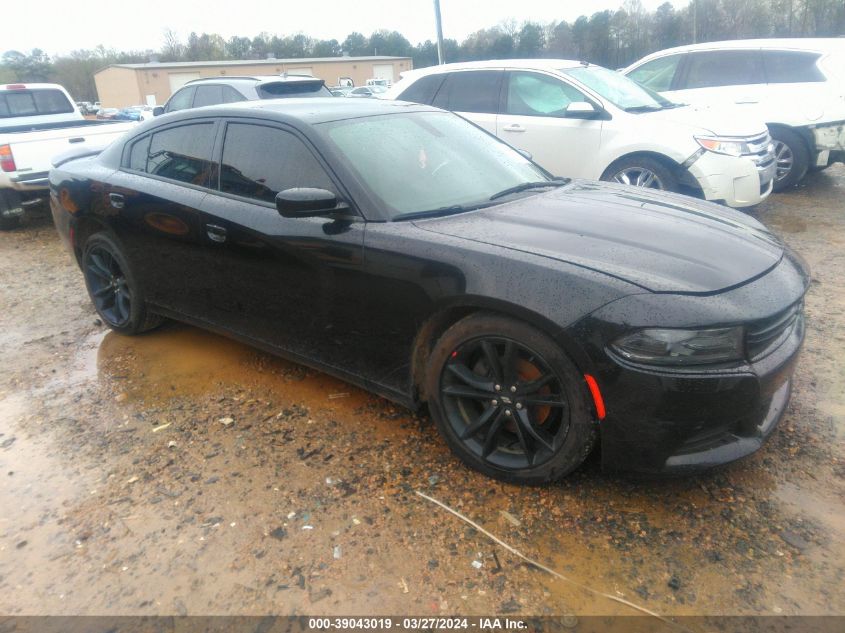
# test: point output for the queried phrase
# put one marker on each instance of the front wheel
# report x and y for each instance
(116, 295)
(792, 156)
(641, 171)
(508, 401)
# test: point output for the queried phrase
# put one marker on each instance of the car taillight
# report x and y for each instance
(7, 161)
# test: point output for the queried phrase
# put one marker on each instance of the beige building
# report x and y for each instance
(121, 85)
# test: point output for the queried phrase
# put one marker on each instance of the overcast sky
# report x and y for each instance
(59, 26)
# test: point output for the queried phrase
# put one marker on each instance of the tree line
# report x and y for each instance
(609, 38)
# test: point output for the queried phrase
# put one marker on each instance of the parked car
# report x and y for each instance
(367, 91)
(622, 131)
(217, 90)
(407, 251)
(38, 121)
(107, 113)
(135, 113)
(797, 86)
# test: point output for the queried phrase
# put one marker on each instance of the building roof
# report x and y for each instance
(254, 62)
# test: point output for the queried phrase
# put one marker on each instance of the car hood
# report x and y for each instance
(724, 120)
(662, 242)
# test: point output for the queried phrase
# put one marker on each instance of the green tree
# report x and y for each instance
(34, 67)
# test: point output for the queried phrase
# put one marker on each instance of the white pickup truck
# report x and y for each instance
(37, 122)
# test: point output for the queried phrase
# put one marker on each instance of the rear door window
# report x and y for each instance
(182, 153)
(33, 103)
(470, 91)
(422, 90)
(658, 73)
(709, 69)
(260, 161)
(784, 67)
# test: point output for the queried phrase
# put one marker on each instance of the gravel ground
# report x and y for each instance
(183, 473)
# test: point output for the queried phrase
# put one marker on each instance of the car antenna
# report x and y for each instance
(585, 64)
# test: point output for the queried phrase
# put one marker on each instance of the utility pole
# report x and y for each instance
(439, 31)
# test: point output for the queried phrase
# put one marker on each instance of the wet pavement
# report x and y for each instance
(182, 473)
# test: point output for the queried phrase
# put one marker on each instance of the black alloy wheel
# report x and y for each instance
(112, 288)
(108, 287)
(508, 401)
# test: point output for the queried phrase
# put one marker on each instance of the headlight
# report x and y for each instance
(731, 147)
(681, 347)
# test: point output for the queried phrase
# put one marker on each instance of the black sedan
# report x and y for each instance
(409, 252)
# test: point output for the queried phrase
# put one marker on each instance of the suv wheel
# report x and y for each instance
(792, 156)
(641, 171)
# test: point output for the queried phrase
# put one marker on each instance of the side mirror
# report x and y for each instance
(305, 202)
(158, 110)
(581, 110)
(525, 153)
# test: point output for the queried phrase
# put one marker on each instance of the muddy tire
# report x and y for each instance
(113, 289)
(508, 401)
(641, 171)
(792, 156)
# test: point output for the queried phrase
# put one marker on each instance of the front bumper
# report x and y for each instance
(681, 419)
(672, 423)
(738, 181)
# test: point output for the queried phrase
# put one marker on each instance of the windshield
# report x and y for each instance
(428, 161)
(618, 89)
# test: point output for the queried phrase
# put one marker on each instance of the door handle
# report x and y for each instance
(515, 127)
(76, 139)
(117, 200)
(215, 233)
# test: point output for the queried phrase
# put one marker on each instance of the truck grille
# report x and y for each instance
(766, 335)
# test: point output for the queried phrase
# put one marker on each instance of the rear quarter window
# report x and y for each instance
(784, 67)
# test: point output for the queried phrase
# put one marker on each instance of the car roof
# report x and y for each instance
(252, 79)
(310, 110)
(814, 44)
(533, 64)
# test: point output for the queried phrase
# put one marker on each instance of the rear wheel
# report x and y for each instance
(641, 171)
(113, 289)
(508, 401)
(792, 156)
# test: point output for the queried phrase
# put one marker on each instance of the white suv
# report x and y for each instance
(585, 121)
(797, 86)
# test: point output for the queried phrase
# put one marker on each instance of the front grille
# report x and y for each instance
(761, 153)
(766, 335)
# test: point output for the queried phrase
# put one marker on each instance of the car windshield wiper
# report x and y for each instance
(555, 182)
(645, 108)
(430, 213)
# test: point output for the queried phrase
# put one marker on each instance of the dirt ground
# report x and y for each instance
(182, 473)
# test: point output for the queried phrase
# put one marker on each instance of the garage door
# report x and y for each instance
(300, 71)
(177, 80)
(383, 71)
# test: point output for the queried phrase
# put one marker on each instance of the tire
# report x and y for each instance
(113, 289)
(793, 158)
(9, 199)
(511, 430)
(633, 169)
